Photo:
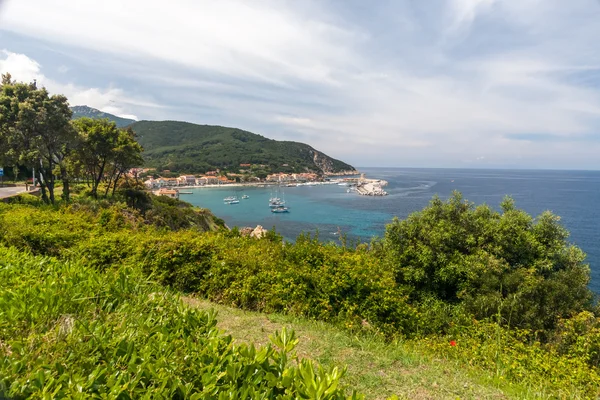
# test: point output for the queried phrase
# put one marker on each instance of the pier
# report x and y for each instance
(371, 187)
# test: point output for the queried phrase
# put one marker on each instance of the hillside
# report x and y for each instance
(93, 287)
(85, 111)
(187, 147)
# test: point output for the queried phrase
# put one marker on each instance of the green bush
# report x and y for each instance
(68, 331)
(490, 262)
(448, 270)
(515, 355)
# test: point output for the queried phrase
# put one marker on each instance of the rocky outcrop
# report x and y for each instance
(257, 232)
(329, 166)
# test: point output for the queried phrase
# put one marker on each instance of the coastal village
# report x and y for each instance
(170, 186)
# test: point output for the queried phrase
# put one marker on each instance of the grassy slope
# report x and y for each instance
(186, 146)
(375, 368)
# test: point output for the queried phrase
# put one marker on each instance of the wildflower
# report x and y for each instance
(453, 343)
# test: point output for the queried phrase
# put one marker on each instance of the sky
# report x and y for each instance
(390, 83)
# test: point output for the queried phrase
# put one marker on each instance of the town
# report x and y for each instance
(170, 186)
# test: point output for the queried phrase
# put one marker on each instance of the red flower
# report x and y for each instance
(453, 343)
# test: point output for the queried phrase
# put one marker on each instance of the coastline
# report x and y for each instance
(251, 184)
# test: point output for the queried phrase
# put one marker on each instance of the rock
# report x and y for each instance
(258, 232)
(246, 231)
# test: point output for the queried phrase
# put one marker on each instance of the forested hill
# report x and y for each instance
(89, 112)
(187, 147)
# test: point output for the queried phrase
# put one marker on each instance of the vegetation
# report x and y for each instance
(186, 147)
(461, 309)
(89, 112)
(36, 132)
(69, 331)
(105, 152)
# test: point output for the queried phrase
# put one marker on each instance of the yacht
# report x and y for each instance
(280, 209)
(245, 196)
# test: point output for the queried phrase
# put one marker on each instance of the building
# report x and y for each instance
(207, 180)
(223, 180)
(172, 193)
(170, 182)
(186, 180)
(151, 183)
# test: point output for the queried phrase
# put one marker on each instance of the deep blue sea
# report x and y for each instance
(573, 195)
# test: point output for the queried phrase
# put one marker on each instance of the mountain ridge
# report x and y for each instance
(90, 112)
(181, 146)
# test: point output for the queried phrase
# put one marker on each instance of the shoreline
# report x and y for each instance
(252, 184)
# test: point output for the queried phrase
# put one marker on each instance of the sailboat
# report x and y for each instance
(279, 206)
(275, 201)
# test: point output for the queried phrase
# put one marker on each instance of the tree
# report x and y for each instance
(506, 264)
(98, 140)
(35, 130)
(127, 154)
(106, 152)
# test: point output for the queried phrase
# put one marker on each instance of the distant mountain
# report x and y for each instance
(186, 147)
(85, 111)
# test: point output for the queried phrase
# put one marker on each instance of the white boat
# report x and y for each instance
(230, 198)
(245, 196)
(280, 209)
(232, 202)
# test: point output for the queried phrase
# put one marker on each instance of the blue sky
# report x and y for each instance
(455, 83)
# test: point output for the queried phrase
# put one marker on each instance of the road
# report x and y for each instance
(11, 191)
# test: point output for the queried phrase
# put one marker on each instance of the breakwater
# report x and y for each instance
(371, 187)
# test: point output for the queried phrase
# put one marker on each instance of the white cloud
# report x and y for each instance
(111, 100)
(461, 85)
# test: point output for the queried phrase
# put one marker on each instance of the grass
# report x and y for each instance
(375, 368)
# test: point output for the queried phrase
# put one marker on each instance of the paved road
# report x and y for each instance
(10, 191)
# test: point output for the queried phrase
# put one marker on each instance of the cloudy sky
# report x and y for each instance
(435, 83)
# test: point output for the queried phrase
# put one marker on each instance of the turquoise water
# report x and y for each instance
(573, 195)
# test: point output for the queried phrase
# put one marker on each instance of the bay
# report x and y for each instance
(330, 210)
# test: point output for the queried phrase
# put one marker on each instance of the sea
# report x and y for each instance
(330, 210)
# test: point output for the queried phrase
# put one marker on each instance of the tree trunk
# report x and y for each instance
(115, 183)
(66, 194)
(97, 180)
(42, 183)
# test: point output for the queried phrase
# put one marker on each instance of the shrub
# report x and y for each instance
(68, 332)
(490, 262)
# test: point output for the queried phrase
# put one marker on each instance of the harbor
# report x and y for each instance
(365, 186)
(372, 187)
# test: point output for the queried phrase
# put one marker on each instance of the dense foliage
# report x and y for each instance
(507, 263)
(182, 146)
(508, 288)
(68, 331)
(36, 132)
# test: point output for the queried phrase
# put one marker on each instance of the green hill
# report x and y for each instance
(85, 111)
(187, 147)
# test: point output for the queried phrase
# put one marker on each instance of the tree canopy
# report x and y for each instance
(505, 264)
(36, 131)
